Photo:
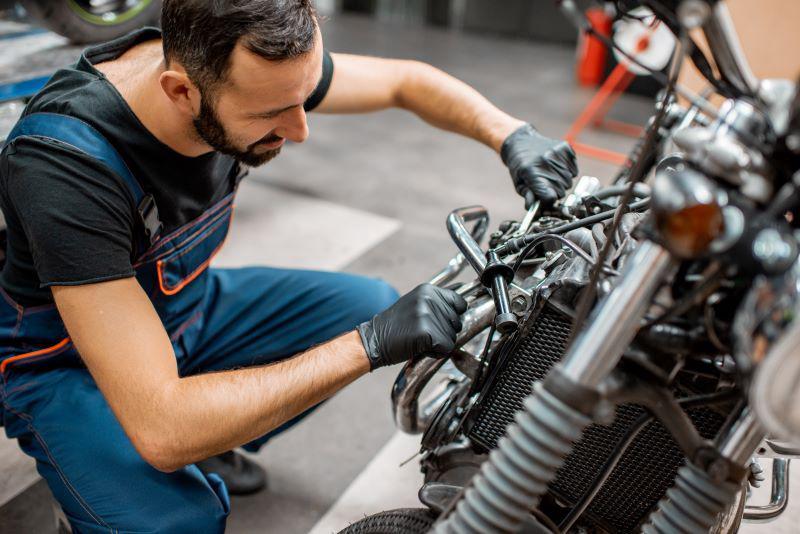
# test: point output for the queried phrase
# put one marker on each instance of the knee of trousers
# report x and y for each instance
(196, 518)
(206, 518)
(373, 297)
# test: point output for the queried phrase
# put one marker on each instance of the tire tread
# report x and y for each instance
(400, 521)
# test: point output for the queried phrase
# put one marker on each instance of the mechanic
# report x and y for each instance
(130, 369)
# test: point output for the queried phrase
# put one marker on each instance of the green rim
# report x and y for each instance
(114, 19)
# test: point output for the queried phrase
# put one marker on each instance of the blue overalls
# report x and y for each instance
(216, 318)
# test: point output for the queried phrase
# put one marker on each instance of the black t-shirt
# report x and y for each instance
(70, 219)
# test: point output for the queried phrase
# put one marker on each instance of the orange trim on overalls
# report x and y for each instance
(186, 281)
(63, 343)
(208, 219)
(203, 266)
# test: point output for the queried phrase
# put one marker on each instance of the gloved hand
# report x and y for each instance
(539, 164)
(423, 322)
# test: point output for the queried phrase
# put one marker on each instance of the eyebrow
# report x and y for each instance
(275, 112)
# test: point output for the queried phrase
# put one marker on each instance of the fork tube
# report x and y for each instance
(743, 439)
(727, 50)
(614, 323)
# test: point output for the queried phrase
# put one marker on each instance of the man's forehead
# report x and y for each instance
(252, 74)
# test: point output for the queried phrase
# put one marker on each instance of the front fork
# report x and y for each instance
(693, 505)
(519, 470)
(614, 323)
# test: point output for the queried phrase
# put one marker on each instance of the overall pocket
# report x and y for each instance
(190, 258)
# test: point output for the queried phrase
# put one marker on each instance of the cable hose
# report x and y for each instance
(692, 505)
(517, 473)
(634, 154)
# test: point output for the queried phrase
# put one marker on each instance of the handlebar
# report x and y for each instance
(494, 274)
(456, 265)
(466, 243)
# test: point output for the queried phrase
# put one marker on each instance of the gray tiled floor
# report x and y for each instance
(392, 165)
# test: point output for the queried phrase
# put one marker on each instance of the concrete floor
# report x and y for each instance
(386, 181)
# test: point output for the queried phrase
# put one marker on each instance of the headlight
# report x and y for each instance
(688, 210)
(767, 335)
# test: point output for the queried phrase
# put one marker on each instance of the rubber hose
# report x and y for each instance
(692, 505)
(639, 190)
(517, 473)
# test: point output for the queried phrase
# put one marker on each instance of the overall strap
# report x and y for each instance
(83, 137)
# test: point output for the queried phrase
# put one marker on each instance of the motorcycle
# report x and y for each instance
(89, 21)
(628, 352)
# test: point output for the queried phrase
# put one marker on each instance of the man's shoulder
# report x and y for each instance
(81, 96)
(70, 91)
(42, 174)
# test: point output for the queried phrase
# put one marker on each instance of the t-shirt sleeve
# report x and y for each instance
(76, 214)
(324, 84)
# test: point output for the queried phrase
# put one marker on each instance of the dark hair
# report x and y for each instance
(202, 34)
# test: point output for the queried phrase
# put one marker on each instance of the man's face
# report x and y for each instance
(260, 105)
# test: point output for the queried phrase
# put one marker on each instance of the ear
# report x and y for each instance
(181, 91)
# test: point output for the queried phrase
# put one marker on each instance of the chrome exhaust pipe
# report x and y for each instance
(409, 416)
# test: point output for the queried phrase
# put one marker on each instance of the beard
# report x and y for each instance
(212, 132)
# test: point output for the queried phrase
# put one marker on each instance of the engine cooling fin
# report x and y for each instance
(645, 471)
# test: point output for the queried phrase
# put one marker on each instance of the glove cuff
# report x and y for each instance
(505, 149)
(370, 342)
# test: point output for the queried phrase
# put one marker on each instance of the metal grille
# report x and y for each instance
(530, 361)
(645, 471)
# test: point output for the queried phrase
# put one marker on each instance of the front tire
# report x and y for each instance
(402, 521)
(730, 521)
(82, 21)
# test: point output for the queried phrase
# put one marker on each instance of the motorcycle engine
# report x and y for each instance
(650, 461)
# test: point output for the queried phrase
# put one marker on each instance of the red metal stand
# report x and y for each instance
(595, 114)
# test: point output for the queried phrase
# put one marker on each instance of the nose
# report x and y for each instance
(294, 126)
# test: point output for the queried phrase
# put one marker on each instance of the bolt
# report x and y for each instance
(604, 412)
(718, 470)
(596, 209)
(773, 250)
(793, 143)
(519, 305)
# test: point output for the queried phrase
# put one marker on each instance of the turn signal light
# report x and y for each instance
(688, 209)
(688, 233)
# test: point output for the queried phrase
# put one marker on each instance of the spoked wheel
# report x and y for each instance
(88, 21)
(402, 521)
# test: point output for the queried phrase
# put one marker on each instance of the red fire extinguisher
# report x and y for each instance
(592, 53)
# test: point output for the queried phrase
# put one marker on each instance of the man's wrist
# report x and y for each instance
(356, 351)
(499, 131)
(366, 334)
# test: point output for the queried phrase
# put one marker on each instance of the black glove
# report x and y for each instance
(423, 322)
(539, 164)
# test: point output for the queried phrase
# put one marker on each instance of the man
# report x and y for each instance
(125, 359)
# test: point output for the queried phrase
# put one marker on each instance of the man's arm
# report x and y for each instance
(361, 84)
(175, 421)
(538, 164)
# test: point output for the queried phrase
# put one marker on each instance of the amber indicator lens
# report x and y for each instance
(689, 232)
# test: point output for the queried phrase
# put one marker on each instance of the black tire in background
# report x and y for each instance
(402, 521)
(93, 21)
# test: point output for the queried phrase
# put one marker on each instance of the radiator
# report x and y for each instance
(645, 471)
